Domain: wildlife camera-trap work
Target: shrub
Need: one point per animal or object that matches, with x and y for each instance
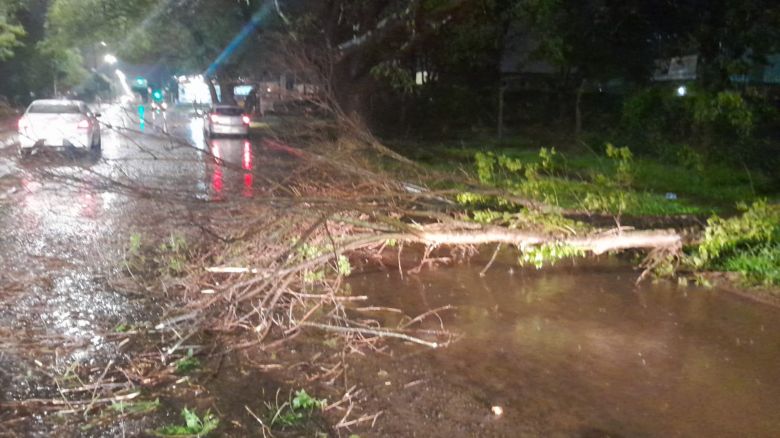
(748, 244)
(759, 225)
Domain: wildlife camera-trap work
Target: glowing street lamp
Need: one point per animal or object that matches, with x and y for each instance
(682, 90)
(110, 59)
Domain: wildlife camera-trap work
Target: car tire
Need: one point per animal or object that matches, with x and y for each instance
(97, 144)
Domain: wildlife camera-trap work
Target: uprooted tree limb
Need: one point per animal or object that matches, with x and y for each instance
(337, 210)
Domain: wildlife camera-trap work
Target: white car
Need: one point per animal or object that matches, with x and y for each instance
(58, 124)
(226, 120)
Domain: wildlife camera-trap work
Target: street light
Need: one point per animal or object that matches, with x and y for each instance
(110, 59)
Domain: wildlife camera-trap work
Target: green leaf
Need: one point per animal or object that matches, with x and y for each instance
(187, 365)
(191, 419)
(140, 407)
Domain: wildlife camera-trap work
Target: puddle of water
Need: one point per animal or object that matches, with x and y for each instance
(580, 350)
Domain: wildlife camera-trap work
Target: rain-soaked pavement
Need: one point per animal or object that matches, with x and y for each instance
(570, 351)
(66, 224)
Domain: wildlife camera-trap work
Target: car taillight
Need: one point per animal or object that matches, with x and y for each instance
(84, 124)
(213, 118)
(246, 119)
(23, 124)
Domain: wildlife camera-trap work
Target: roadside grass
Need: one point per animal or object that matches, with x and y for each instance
(295, 412)
(702, 188)
(194, 425)
(578, 194)
(188, 364)
(744, 240)
(168, 257)
(758, 266)
(139, 407)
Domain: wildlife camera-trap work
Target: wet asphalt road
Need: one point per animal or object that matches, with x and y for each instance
(66, 223)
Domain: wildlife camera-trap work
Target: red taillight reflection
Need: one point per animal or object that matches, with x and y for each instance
(84, 124)
(216, 178)
(248, 183)
(246, 119)
(247, 161)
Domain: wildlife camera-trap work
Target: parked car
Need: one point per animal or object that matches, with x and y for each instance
(58, 124)
(226, 120)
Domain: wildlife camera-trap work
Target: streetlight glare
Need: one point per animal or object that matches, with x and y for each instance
(110, 59)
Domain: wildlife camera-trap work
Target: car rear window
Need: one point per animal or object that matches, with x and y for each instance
(228, 111)
(47, 108)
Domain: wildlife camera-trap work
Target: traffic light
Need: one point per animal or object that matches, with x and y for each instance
(157, 95)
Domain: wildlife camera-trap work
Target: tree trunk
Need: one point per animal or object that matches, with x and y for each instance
(578, 110)
(597, 244)
(226, 89)
(500, 129)
(212, 91)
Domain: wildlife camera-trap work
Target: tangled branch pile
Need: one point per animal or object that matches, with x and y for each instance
(280, 267)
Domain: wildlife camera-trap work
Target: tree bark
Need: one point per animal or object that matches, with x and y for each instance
(500, 129)
(597, 244)
(226, 90)
(578, 110)
(212, 91)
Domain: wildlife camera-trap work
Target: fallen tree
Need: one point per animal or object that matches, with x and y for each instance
(296, 239)
(598, 243)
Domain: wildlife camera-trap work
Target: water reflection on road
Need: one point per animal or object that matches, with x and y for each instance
(572, 350)
(66, 233)
(232, 167)
(68, 226)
